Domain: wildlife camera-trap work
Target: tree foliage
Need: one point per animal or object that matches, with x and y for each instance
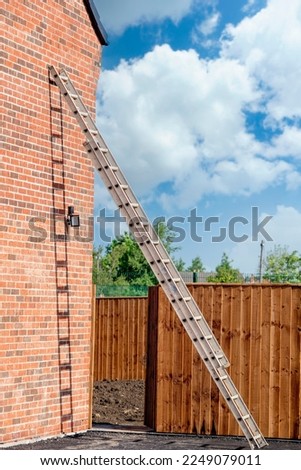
(122, 263)
(224, 272)
(196, 265)
(281, 266)
(179, 264)
(166, 236)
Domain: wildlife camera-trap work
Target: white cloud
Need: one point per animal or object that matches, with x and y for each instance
(252, 5)
(209, 25)
(117, 15)
(286, 225)
(172, 117)
(267, 44)
(284, 228)
(102, 197)
(287, 144)
(200, 34)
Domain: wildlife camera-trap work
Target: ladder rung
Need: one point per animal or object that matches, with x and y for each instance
(64, 78)
(245, 417)
(135, 205)
(219, 355)
(224, 377)
(114, 168)
(93, 132)
(124, 186)
(234, 397)
(165, 260)
(199, 317)
(84, 114)
(187, 299)
(176, 279)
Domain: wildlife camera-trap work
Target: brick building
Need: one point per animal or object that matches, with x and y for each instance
(46, 265)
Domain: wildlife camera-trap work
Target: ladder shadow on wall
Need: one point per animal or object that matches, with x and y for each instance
(59, 237)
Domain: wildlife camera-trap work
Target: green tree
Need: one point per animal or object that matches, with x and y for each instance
(196, 265)
(126, 263)
(224, 272)
(100, 275)
(179, 264)
(166, 235)
(122, 263)
(281, 266)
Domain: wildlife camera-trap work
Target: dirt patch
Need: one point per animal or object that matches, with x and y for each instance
(118, 402)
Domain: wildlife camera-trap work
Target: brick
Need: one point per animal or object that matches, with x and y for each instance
(42, 175)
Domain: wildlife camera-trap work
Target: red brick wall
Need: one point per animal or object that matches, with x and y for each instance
(45, 281)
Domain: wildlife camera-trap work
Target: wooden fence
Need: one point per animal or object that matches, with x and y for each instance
(258, 327)
(120, 338)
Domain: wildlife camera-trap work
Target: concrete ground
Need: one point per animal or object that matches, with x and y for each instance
(135, 438)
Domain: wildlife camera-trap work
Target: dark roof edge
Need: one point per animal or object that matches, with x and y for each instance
(96, 23)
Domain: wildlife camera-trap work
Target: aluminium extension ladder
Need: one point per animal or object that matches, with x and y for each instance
(162, 265)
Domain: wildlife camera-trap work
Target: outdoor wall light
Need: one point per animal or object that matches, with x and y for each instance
(72, 219)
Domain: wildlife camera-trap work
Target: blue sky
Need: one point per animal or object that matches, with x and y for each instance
(200, 103)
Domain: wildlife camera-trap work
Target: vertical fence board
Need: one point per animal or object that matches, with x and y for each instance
(235, 328)
(275, 358)
(226, 334)
(177, 374)
(265, 409)
(151, 380)
(255, 353)
(165, 352)
(284, 366)
(187, 385)
(295, 384)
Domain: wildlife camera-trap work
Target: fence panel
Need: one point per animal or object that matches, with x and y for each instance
(258, 327)
(120, 338)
